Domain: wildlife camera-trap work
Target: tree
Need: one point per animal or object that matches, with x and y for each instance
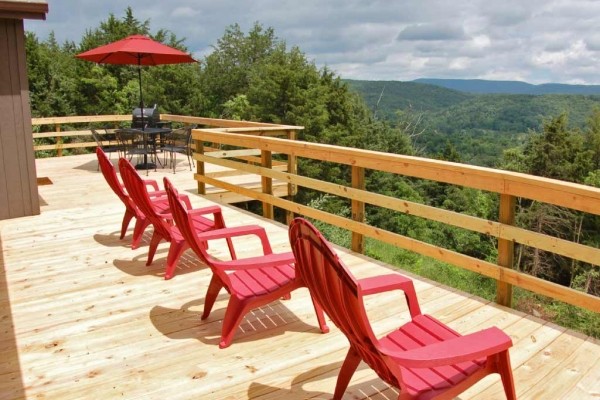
(561, 153)
(227, 69)
(52, 76)
(592, 134)
(557, 152)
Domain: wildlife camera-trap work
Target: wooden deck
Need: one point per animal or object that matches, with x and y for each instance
(82, 317)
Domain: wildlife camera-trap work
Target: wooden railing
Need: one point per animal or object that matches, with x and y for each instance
(58, 123)
(271, 151)
(58, 134)
(509, 185)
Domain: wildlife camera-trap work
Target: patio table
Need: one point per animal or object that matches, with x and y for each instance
(145, 134)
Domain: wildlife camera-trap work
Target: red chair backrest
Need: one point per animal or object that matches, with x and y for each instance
(183, 222)
(136, 188)
(110, 175)
(338, 292)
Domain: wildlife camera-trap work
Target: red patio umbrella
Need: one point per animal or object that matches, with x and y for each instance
(136, 50)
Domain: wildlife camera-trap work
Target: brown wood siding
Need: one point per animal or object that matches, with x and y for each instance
(18, 187)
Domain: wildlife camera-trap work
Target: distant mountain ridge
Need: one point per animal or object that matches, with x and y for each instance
(482, 86)
(479, 125)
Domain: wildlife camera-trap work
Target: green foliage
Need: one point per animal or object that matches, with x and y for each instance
(387, 97)
(53, 77)
(449, 275)
(234, 57)
(480, 127)
(557, 152)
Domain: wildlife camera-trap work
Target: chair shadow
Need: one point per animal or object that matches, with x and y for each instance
(297, 390)
(371, 389)
(112, 239)
(136, 266)
(261, 323)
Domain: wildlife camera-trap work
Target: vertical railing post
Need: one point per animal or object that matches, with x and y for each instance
(199, 148)
(506, 250)
(292, 168)
(266, 159)
(59, 142)
(358, 209)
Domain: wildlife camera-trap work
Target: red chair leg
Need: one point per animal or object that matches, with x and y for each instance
(505, 372)
(138, 232)
(320, 316)
(214, 288)
(125, 224)
(153, 246)
(348, 368)
(175, 251)
(236, 309)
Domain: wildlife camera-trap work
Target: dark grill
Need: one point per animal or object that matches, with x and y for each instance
(151, 117)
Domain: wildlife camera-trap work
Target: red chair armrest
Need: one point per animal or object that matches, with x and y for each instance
(158, 193)
(268, 260)
(186, 200)
(205, 210)
(386, 283)
(453, 351)
(152, 183)
(228, 233)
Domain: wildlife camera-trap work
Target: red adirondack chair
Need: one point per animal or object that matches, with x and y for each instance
(251, 282)
(161, 219)
(158, 198)
(424, 358)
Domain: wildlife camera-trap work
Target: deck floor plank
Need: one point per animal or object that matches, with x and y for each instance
(82, 316)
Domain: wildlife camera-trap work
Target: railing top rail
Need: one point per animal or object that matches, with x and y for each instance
(79, 119)
(224, 123)
(567, 194)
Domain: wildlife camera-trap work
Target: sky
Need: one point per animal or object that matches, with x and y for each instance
(535, 41)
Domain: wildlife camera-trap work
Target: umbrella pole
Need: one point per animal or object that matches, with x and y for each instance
(140, 80)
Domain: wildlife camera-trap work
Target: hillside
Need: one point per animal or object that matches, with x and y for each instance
(480, 126)
(396, 95)
(510, 87)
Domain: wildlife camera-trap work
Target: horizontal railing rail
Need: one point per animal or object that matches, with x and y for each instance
(58, 134)
(509, 186)
(76, 123)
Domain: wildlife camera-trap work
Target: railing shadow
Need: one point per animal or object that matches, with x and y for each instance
(90, 166)
(11, 383)
(261, 323)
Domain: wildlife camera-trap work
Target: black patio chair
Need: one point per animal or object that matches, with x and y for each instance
(107, 143)
(179, 141)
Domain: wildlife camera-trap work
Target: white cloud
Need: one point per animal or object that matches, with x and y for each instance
(536, 40)
(184, 12)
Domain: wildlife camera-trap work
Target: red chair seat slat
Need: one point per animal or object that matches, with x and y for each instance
(424, 330)
(260, 282)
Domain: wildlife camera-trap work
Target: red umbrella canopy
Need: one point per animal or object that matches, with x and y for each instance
(136, 50)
